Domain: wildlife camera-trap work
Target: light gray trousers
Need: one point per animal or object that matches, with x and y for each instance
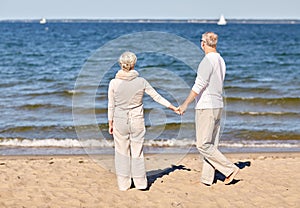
(207, 135)
(129, 158)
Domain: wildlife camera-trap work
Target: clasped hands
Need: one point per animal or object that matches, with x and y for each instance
(179, 110)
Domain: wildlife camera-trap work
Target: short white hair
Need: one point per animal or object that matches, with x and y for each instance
(127, 60)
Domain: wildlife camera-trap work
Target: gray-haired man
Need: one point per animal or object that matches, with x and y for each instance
(207, 91)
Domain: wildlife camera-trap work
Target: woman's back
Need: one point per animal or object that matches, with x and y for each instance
(128, 94)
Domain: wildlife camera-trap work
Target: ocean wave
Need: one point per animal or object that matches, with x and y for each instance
(67, 143)
(172, 126)
(286, 54)
(108, 143)
(53, 128)
(41, 105)
(262, 135)
(63, 108)
(262, 144)
(168, 130)
(66, 93)
(268, 101)
(266, 113)
(247, 89)
(61, 130)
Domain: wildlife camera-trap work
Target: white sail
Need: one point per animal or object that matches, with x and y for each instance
(43, 21)
(222, 20)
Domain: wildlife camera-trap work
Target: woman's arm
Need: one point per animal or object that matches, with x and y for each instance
(111, 107)
(110, 127)
(158, 98)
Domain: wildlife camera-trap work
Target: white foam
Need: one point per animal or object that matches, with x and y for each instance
(262, 144)
(103, 143)
(68, 143)
(169, 143)
(262, 113)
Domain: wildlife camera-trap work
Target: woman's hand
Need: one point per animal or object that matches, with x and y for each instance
(175, 109)
(110, 127)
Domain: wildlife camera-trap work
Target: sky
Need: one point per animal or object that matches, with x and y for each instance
(150, 9)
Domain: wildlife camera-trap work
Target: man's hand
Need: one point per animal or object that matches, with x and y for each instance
(182, 108)
(175, 109)
(110, 127)
(189, 99)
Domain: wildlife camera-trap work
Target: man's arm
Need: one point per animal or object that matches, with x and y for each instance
(188, 100)
(202, 79)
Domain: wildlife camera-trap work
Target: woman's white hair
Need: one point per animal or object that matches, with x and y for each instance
(127, 61)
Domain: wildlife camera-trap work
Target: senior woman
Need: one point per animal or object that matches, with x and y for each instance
(126, 121)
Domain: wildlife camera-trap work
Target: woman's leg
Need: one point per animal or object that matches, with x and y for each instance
(122, 153)
(138, 170)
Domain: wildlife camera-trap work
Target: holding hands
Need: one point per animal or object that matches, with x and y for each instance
(175, 109)
(182, 108)
(179, 110)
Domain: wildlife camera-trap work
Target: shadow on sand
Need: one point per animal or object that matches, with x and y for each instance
(241, 165)
(153, 175)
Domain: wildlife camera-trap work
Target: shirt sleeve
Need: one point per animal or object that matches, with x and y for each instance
(155, 96)
(111, 101)
(204, 72)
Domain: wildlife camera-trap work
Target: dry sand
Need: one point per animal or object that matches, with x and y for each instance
(265, 180)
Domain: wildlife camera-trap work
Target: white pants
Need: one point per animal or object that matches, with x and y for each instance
(207, 134)
(129, 158)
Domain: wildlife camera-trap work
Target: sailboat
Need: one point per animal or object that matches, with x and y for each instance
(222, 20)
(43, 21)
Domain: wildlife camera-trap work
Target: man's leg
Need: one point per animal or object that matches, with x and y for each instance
(208, 173)
(203, 130)
(207, 131)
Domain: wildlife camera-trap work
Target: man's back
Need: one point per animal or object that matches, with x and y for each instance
(209, 82)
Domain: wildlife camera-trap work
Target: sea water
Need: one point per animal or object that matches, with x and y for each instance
(39, 66)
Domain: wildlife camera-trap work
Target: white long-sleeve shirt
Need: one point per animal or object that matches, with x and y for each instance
(125, 95)
(209, 82)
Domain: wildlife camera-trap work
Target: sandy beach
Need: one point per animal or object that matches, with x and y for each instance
(265, 180)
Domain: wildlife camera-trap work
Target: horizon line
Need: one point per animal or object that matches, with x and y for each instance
(131, 18)
(149, 20)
